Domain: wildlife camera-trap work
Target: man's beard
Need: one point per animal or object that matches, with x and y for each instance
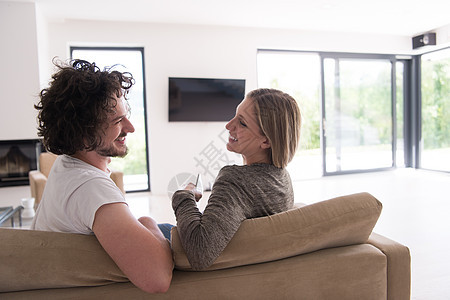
(111, 151)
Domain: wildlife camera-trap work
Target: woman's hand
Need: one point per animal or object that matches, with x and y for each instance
(197, 193)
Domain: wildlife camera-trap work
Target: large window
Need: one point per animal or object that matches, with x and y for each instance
(435, 133)
(358, 114)
(347, 104)
(135, 165)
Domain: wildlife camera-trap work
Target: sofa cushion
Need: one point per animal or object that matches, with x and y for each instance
(341, 221)
(32, 259)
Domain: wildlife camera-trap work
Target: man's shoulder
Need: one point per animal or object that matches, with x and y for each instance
(69, 165)
(67, 177)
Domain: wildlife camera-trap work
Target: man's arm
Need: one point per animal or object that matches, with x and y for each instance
(141, 252)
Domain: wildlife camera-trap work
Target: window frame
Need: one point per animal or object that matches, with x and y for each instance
(144, 99)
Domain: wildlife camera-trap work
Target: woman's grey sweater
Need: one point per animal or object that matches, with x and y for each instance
(239, 193)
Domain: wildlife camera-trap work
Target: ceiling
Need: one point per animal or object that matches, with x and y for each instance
(396, 17)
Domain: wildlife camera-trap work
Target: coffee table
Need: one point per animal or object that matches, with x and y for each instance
(8, 212)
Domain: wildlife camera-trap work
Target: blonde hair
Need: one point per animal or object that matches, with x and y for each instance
(279, 118)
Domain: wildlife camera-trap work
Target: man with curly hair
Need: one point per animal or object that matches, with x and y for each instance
(83, 118)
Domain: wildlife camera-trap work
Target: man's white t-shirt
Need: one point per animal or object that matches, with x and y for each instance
(74, 191)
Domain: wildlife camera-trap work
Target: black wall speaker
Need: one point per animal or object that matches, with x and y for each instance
(424, 40)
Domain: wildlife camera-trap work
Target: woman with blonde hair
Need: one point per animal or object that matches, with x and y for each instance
(266, 132)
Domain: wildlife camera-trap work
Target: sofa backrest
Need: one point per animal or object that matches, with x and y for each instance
(341, 221)
(31, 259)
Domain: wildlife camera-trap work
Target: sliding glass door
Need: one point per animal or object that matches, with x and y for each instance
(347, 104)
(435, 111)
(358, 114)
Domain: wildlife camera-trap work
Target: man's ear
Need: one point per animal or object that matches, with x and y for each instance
(265, 144)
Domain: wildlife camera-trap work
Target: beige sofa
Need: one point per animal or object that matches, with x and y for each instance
(321, 251)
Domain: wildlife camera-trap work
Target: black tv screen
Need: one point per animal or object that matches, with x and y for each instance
(204, 99)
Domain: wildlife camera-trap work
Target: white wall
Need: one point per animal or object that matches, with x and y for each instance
(19, 76)
(171, 50)
(443, 36)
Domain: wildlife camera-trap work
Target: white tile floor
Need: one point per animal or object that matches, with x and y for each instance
(416, 213)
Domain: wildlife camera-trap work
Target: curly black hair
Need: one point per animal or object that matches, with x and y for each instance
(74, 109)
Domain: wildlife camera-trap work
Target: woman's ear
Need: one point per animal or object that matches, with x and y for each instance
(265, 144)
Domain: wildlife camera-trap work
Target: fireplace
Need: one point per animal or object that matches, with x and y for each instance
(17, 158)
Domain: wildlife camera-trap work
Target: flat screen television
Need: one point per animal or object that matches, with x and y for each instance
(204, 99)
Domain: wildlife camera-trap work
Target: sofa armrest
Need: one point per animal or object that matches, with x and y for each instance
(398, 266)
(37, 185)
(117, 177)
